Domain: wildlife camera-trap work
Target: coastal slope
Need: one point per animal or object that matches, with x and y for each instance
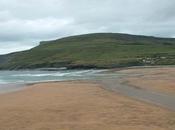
(100, 50)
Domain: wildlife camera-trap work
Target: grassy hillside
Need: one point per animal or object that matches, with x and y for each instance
(102, 50)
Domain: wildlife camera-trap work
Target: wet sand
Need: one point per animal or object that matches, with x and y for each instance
(79, 106)
(160, 79)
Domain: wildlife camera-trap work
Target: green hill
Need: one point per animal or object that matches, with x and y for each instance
(101, 50)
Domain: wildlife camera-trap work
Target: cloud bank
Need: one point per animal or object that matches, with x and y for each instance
(24, 23)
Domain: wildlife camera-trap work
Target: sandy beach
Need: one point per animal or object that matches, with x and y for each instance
(156, 79)
(78, 106)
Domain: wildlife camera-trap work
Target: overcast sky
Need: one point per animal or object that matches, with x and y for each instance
(23, 23)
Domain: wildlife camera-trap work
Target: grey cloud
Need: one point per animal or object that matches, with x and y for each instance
(8, 47)
(24, 23)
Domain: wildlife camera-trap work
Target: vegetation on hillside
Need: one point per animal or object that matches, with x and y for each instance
(101, 50)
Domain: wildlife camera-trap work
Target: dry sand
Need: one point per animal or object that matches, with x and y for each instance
(156, 79)
(78, 106)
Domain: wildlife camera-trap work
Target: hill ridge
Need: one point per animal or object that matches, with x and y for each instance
(96, 50)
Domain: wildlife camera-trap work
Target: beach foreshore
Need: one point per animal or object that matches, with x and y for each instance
(161, 79)
(78, 105)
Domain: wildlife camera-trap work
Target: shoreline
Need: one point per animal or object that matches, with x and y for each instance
(95, 68)
(123, 84)
(11, 87)
(25, 86)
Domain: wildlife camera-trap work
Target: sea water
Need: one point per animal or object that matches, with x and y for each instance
(14, 80)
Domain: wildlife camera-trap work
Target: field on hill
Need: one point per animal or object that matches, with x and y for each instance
(103, 50)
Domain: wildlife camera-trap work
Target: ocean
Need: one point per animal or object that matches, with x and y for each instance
(15, 80)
